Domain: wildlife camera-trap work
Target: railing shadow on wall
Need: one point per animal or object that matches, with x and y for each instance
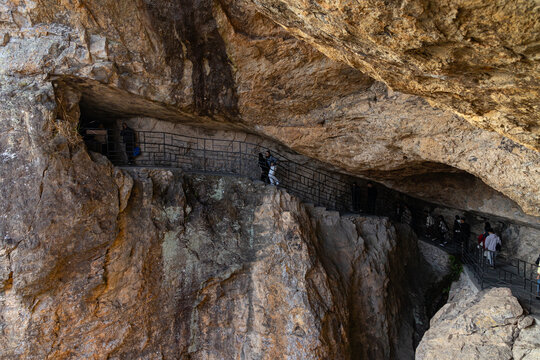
(224, 157)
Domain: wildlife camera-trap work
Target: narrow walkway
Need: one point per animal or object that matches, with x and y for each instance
(224, 157)
(515, 274)
(311, 185)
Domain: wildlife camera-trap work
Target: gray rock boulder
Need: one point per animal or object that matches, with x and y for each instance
(488, 324)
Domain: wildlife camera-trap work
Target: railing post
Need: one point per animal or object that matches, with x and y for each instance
(240, 161)
(482, 264)
(319, 189)
(204, 154)
(163, 146)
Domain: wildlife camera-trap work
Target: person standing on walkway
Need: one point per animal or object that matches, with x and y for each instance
(430, 227)
(406, 215)
(371, 198)
(264, 168)
(272, 174)
(444, 232)
(491, 246)
(269, 159)
(128, 138)
(465, 233)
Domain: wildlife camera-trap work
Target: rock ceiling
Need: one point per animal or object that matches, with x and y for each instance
(476, 58)
(390, 90)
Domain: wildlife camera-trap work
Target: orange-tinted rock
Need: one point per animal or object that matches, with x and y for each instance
(478, 59)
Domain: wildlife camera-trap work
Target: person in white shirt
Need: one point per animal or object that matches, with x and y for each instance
(491, 245)
(272, 174)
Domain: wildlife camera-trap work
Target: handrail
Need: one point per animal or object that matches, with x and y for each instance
(238, 141)
(508, 271)
(238, 157)
(224, 156)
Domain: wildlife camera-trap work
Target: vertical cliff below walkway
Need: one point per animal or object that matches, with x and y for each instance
(158, 264)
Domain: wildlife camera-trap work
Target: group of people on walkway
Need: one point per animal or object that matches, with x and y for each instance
(489, 244)
(438, 230)
(268, 165)
(488, 241)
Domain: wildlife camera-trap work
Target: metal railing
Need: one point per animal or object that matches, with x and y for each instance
(518, 275)
(224, 157)
(322, 188)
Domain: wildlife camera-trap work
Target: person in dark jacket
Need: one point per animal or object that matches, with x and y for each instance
(371, 198)
(465, 233)
(128, 138)
(444, 233)
(264, 168)
(431, 228)
(270, 159)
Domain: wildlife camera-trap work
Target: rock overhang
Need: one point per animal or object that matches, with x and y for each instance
(285, 90)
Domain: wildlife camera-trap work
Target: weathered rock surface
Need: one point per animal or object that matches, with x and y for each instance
(465, 192)
(95, 262)
(201, 267)
(438, 259)
(478, 59)
(522, 242)
(224, 65)
(480, 325)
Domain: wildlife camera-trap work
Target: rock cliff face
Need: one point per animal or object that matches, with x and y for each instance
(480, 60)
(225, 65)
(154, 264)
(96, 262)
(480, 325)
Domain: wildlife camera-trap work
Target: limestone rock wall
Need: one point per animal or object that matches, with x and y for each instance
(481, 325)
(202, 269)
(199, 270)
(478, 59)
(152, 264)
(364, 254)
(98, 263)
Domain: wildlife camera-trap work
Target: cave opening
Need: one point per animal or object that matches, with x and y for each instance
(100, 130)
